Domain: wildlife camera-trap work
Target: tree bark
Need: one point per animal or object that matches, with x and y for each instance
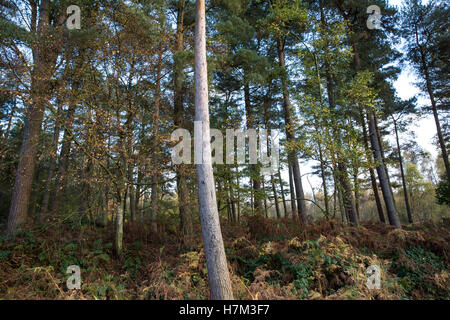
(272, 180)
(347, 198)
(239, 194)
(118, 241)
(155, 157)
(383, 158)
(372, 174)
(231, 196)
(381, 170)
(324, 181)
(182, 187)
(356, 184)
(254, 168)
(292, 192)
(133, 214)
(434, 108)
(265, 196)
(288, 117)
(216, 262)
(44, 59)
(400, 161)
(283, 196)
(387, 195)
(51, 166)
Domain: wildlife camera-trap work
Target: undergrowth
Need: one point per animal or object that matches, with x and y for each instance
(267, 260)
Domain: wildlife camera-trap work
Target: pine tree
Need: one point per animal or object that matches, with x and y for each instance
(218, 276)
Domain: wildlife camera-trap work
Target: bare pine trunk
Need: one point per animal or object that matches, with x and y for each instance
(356, 184)
(383, 158)
(216, 262)
(400, 160)
(283, 196)
(288, 115)
(239, 194)
(435, 113)
(385, 189)
(182, 187)
(155, 157)
(292, 192)
(118, 241)
(51, 167)
(372, 174)
(324, 180)
(40, 89)
(254, 168)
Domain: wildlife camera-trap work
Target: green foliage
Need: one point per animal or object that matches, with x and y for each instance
(421, 270)
(109, 287)
(443, 191)
(4, 254)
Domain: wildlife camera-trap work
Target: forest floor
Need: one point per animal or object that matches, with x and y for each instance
(268, 259)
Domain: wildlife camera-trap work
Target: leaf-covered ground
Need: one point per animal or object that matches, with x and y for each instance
(268, 259)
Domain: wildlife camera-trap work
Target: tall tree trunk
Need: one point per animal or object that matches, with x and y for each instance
(51, 166)
(356, 184)
(324, 181)
(283, 196)
(402, 173)
(434, 108)
(381, 170)
(334, 202)
(265, 196)
(347, 198)
(44, 59)
(121, 195)
(383, 158)
(239, 194)
(182, 187)
(292, 192)
(269, 152)
(118, 240)
(338, 186)
(231, 195)
(155, 157)
(372, 174)
(387, 195)
(322, 171)
(275, 196)
(341, 168)
(63, 165)
(289, 122)
(220, 199)
(216, 262)
(339, 192)
(131, 192)
(106, 208)
(252, 196)
(319, 144)
(254, 168)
